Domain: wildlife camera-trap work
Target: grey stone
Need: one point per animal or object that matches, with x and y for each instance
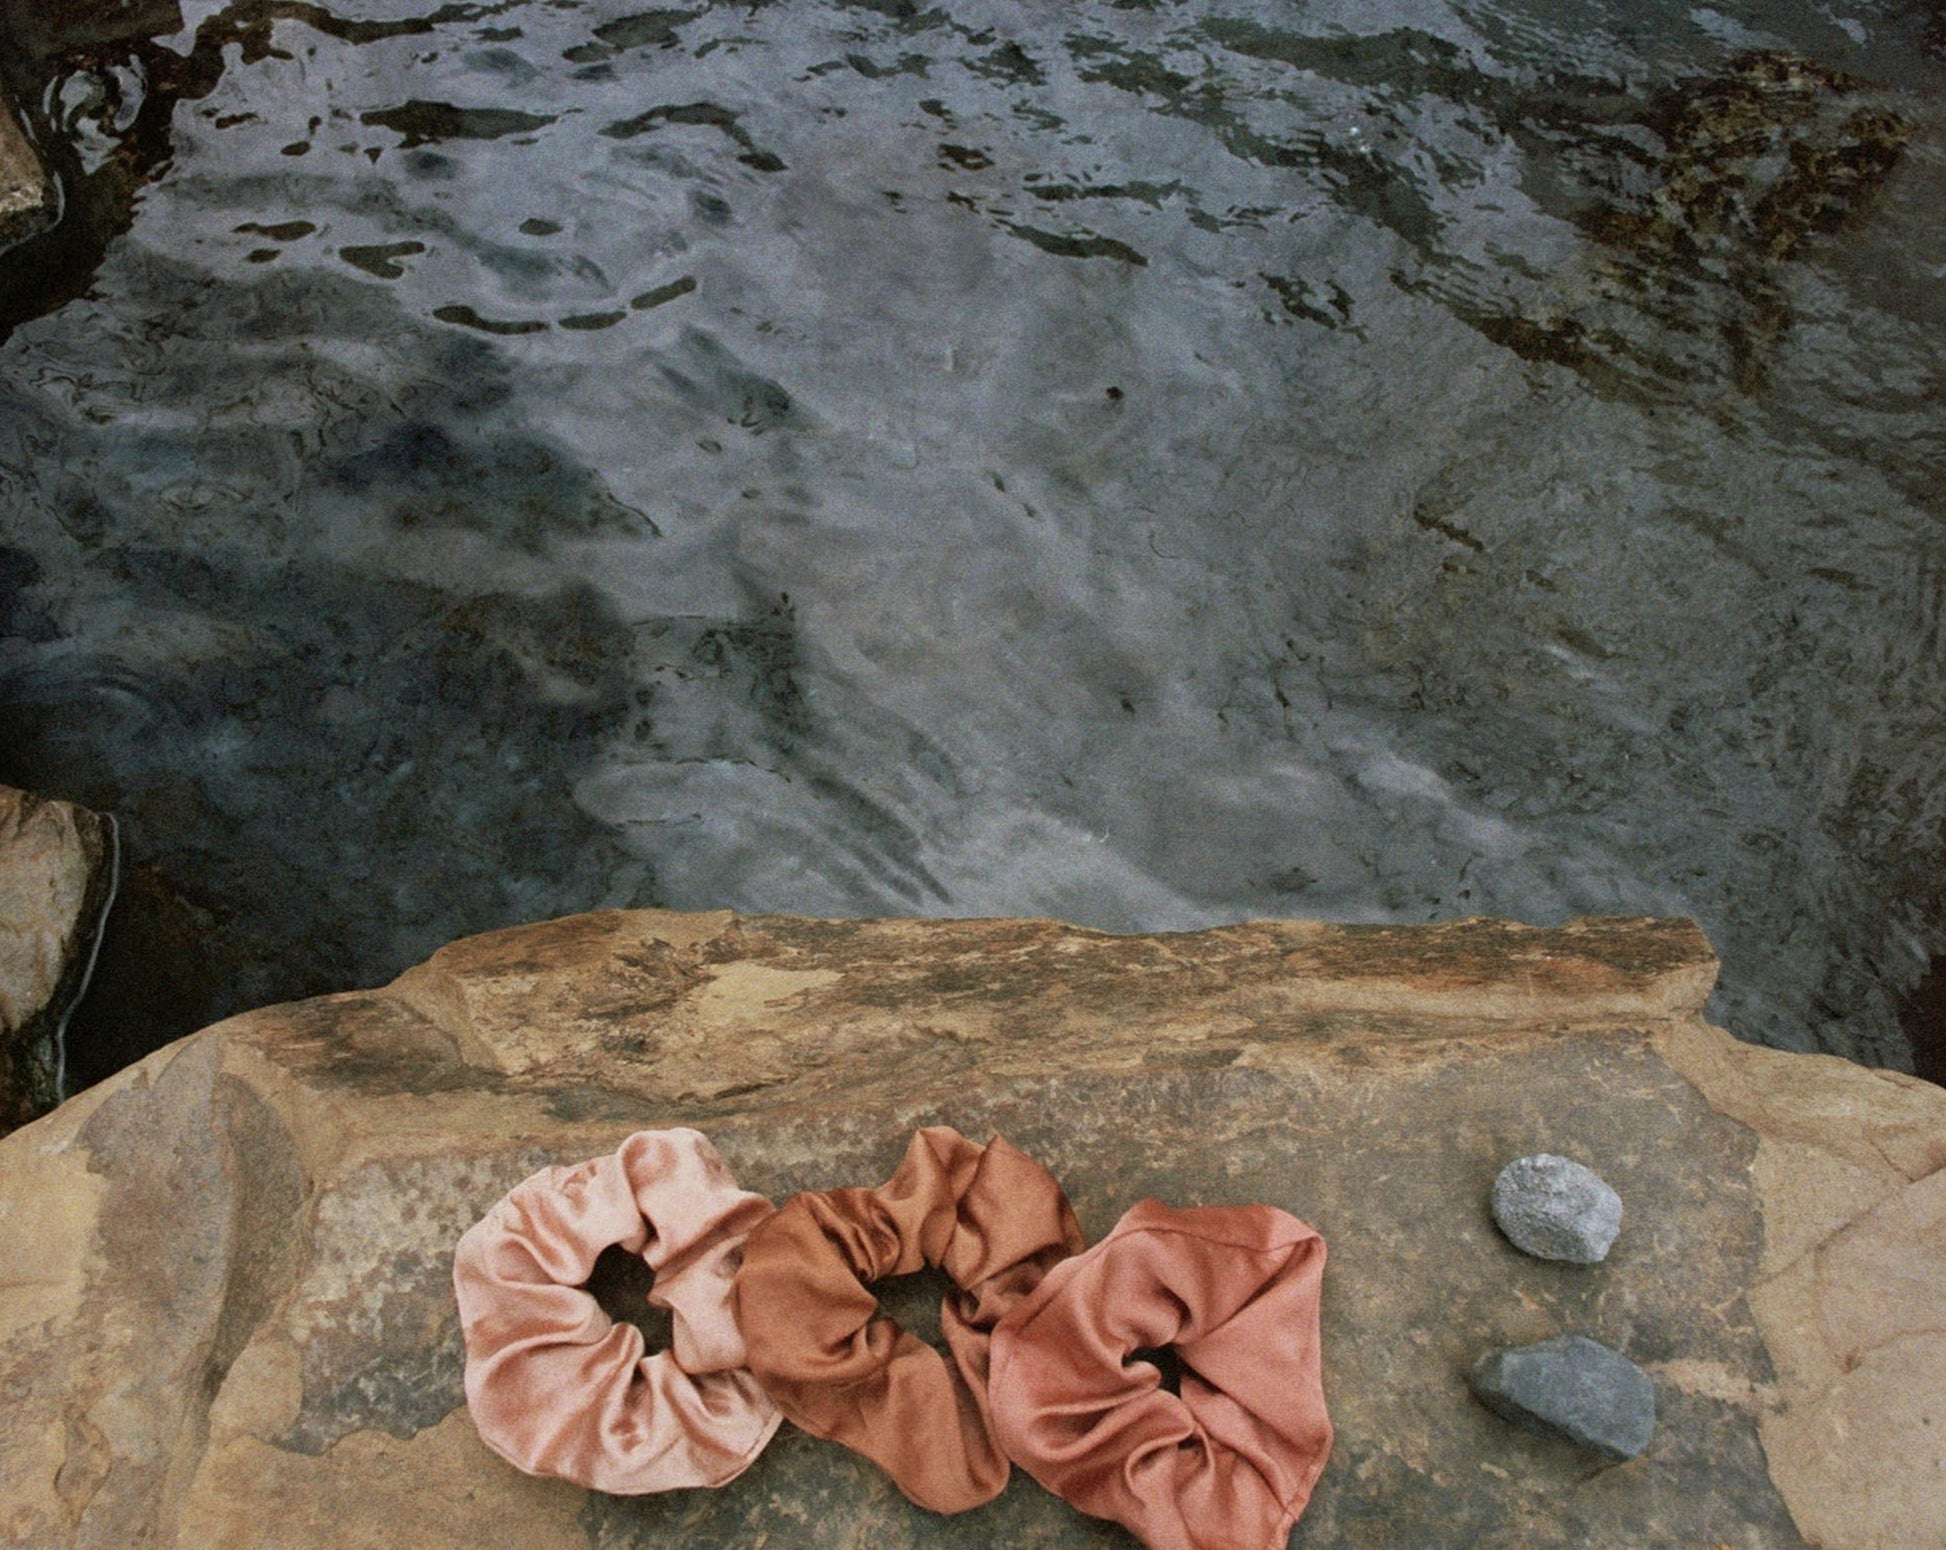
(1572, 1387)
(54, 886)
(1556, 1209)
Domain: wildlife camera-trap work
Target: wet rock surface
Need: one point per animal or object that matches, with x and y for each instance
(1572, 1387)
(1554, 1208)
(53, 886)
(239, 1306)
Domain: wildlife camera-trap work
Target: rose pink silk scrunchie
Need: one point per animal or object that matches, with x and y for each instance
(1231, 1463)
(557, 1388)
(989, 1216)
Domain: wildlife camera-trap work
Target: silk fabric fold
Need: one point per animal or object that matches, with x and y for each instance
(1228, 1465)
(557, 1388)
(992, 1219)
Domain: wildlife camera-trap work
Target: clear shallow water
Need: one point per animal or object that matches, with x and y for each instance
(1151, 464)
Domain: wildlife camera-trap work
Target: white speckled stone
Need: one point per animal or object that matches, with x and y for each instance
(1556, 1209)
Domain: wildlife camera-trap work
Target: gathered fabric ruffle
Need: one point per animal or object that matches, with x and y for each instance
(554, 1385)
(992, 1219)
(773, 1315)
(1230, 1463)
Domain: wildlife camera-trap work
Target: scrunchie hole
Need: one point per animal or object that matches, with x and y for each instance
(913, 1302)
(620, 1287)
(1166, 1360)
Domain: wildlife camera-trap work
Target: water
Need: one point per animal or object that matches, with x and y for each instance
(1152, 464)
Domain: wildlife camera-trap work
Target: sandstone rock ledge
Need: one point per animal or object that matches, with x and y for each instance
(226, 1320)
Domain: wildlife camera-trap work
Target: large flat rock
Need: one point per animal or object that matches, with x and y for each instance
(226, 1316)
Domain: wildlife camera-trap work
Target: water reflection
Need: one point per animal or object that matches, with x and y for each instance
(1152, 464)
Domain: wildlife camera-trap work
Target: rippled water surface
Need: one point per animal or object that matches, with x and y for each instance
(1148, 463)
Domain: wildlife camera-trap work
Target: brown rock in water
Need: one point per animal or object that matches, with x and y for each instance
(226, 1316)
(28, 202)
(52, 885)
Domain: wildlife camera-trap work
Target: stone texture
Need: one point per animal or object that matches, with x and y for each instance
(1572, 1387)
(1554, 1208)
(52, 886)
(226, 1315)
(28, 202)
(1851, 1300)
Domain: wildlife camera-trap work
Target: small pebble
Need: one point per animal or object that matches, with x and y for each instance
(1556, 1209)
(1571, 1387)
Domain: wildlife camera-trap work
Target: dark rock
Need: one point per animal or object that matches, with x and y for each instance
(1573, 1387)
(1556, 1209)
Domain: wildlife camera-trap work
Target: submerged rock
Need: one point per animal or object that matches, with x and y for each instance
(53, 879)
(1572, 1387)
(28, 202)
(1553, 1208)
(225, 1273)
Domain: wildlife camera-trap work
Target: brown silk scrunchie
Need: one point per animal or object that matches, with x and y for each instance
(1231, 1463)
(989, 1216)
(557, 1388)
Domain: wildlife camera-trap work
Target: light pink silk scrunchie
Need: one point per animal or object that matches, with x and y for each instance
(556, 1387)
(1231, 1463)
